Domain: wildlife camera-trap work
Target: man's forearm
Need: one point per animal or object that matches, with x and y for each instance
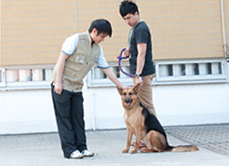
(140, 63)
(141, 57)
(110, 74)
(60, 67)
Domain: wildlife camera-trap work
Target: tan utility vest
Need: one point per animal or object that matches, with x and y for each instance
(78, 64)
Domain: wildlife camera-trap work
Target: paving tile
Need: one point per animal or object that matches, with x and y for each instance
(44, 149)
(213, 137)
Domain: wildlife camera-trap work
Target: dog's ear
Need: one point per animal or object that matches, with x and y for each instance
(137, 88)
(119, 90)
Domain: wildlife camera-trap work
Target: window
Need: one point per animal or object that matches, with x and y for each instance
(167, 72)
(170, 72)
(27, 75)
(191, 71)
(2, 77)
(25, 78)
(96, 77)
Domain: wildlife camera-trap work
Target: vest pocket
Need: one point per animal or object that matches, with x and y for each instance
(80, 59)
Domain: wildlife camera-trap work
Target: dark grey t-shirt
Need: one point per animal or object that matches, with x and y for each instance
(141, 34)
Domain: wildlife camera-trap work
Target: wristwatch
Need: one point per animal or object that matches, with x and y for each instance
(137, 75)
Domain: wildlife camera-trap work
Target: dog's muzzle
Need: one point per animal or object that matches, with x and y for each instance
(128, 101)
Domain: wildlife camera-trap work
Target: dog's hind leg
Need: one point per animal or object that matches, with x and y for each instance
(157, 142)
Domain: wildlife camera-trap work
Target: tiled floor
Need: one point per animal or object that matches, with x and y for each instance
(212, 137)
(44, 149)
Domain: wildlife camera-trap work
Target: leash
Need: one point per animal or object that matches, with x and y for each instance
(119, 63)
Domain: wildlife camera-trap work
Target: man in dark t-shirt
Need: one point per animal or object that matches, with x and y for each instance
(140, 52)
(141, 34)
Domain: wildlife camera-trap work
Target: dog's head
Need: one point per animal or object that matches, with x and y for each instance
(129, 96)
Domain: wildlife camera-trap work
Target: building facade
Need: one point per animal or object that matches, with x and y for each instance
(190, 41)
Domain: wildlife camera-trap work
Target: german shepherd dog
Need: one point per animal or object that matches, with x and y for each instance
(145, 126)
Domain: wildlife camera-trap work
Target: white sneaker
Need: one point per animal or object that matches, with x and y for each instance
(76, 155)
(87, 153)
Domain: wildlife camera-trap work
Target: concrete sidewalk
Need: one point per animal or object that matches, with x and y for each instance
(44, 149)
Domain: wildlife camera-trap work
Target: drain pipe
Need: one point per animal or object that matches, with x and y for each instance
(224, 31)
(93, 113)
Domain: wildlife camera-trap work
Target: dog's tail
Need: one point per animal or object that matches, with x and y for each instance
(182, 148)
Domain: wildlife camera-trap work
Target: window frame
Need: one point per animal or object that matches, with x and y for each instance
(2, 75)
(24, 85)
(169, 80)
(92, 82)
(192, 79)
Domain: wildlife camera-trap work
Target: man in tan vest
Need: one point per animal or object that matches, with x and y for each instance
(79, 53)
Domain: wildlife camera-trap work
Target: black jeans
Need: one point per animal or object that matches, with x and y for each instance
(69, 113)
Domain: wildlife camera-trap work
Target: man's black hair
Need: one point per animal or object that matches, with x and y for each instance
(128, 7)
(102, 26)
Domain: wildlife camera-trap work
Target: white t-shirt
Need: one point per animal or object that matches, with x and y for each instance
(70, 45)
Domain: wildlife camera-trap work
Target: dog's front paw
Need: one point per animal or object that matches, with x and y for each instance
(125, 150)
(133, 151)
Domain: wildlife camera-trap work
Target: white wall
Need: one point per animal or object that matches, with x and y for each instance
(26, 111)
(196, 104)
(32, 111)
